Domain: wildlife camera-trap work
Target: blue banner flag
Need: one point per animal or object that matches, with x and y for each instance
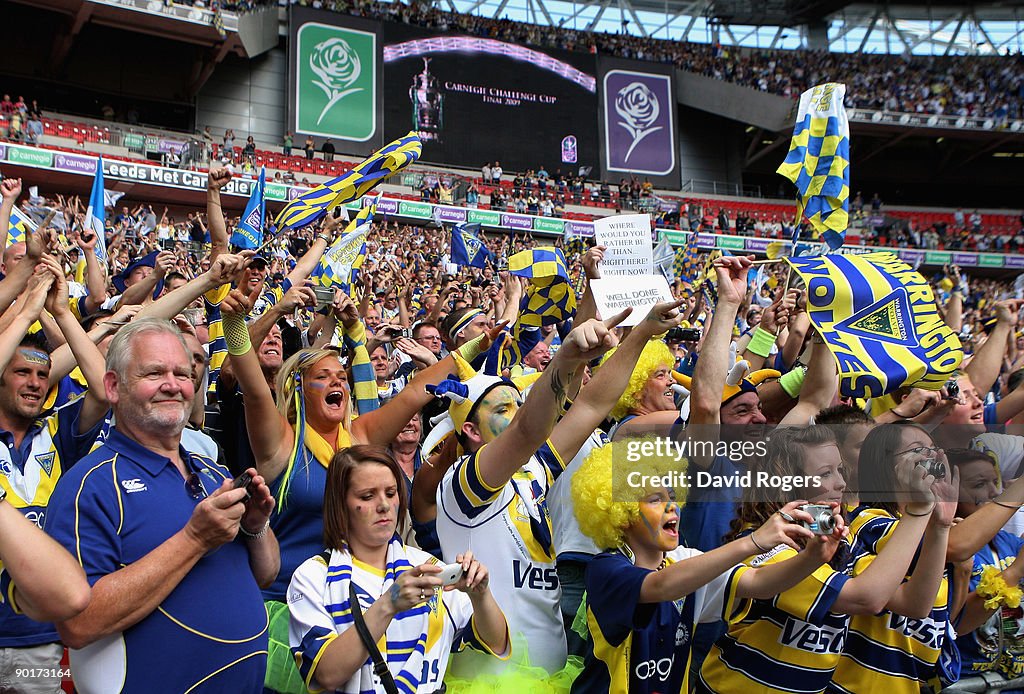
(95, 214)
(248, 232)
(467, 248)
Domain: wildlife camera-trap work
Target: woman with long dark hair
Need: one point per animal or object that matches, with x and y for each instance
(897, 649)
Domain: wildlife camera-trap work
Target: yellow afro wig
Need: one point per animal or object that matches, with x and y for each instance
(655, 355)
(604, 501)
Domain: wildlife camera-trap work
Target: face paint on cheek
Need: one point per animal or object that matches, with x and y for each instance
(496, 424)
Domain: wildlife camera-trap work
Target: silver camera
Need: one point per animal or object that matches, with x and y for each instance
(824, 521)
(324, 296)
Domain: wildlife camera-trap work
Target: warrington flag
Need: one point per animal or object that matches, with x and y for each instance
(549, 296)
(315, 203)
(249, 231)
(341, 262)
(18, 226)
(467, 248)
(95, 215)
(879, 319)
(818, 162)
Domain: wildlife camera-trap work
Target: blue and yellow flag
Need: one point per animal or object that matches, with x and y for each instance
(467, 248)
(879, 319)
(686, 265)
(818, 162)
(18, 225)
(315, 203)
(549, 297)
(339, 265)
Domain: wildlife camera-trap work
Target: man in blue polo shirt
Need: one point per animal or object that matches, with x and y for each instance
(176, 602)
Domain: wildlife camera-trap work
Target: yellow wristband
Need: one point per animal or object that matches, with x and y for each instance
(236, 334)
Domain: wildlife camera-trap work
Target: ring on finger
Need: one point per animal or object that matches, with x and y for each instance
(786, 517)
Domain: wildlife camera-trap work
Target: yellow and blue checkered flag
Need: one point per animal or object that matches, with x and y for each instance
(339, 265)
(686, 264)
(818, 162)
(878, 317)
(549, 296)
(315, 203)
(18, 225)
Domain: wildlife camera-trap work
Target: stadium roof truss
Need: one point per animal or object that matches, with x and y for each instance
(933, 28)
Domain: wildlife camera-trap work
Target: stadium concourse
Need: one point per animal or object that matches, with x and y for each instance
(483, 359)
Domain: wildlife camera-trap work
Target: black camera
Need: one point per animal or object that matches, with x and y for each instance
(934, 467)
(683, 335)
(952, 390)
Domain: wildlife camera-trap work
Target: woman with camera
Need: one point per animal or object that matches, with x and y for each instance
(793, 641)
(909, 642)
(294, 438)
(416, 608)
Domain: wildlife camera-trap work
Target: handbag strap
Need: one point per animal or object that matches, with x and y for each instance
(380, 667)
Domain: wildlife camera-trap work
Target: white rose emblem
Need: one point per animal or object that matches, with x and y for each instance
(338, 67)
(638, 106)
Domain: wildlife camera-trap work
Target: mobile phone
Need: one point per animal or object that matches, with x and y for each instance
(450, 574)
(243, 480)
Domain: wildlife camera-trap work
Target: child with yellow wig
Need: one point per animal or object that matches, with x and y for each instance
(645, 593)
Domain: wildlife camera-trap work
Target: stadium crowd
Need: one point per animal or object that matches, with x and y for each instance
(246, 482)
(960, 86)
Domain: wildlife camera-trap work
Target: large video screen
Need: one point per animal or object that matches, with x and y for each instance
(475, 100)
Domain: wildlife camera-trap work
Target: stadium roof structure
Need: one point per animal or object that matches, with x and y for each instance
(936, 27)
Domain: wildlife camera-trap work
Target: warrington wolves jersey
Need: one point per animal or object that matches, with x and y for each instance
(508, 529)
(28, 473)
(790, 643)
(888, 652)
(644, 648)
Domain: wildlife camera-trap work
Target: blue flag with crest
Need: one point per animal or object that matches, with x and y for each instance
(248, 232)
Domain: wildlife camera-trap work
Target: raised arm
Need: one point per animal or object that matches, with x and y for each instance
(916, 596)
(88, 356)
(221, 271)
(308, 262)
(819, 387)
(95, 274)
(141, 291)
(870, 591)
(983, 368)
(10, 189)
(592, 271)
(217, 179)
(599, 396)
(270, 434)
(713, 365)
(28, 312)
(532, 424)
